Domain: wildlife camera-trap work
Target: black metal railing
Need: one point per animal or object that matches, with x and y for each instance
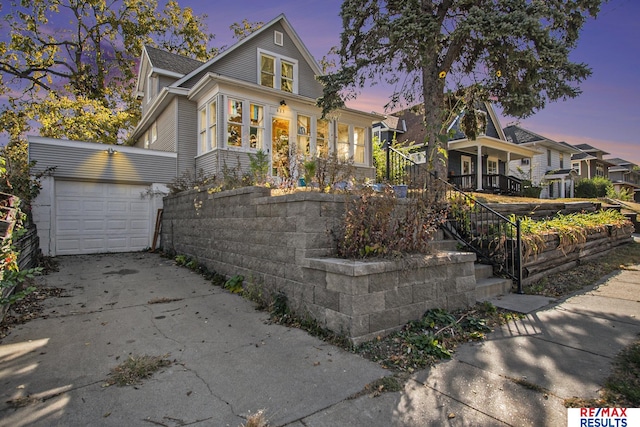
(495, 238)
(496, 183)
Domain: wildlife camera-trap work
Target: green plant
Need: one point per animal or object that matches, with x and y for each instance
(310, 167)
(234, 284)
(259, 166)
(592, 188)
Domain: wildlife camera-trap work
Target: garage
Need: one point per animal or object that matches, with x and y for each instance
(94, 217)
(97, 198)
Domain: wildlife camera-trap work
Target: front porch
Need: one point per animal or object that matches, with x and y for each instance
(482, 165)
(489, 183)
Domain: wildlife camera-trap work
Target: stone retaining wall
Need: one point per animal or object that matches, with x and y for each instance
(283, 242)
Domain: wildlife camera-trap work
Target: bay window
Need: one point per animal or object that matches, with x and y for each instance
(322, 138)
(358, 141)
(234, 123)
(343, 141)
(304, 132)
(256, 126)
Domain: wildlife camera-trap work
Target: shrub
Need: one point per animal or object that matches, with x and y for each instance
(593, 188)
(376, 225)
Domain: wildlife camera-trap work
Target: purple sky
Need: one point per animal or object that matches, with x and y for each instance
(605, 115)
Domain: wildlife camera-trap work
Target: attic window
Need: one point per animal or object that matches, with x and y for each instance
(278, 38)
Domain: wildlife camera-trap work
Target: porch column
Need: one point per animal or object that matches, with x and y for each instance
(562, 189)
(572, 183)
(507, 169)
(479, 168)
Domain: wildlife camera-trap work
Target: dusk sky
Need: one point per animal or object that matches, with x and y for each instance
(606, 115)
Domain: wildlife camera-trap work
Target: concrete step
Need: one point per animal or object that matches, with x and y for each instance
(483, 271)
(492, 287)
(444, 245)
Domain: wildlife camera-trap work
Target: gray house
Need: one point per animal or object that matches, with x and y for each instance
(550, 169)
(260, 94)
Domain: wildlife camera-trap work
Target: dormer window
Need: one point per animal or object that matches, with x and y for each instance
(278, 72)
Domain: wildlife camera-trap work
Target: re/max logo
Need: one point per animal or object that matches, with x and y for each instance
(603, 412)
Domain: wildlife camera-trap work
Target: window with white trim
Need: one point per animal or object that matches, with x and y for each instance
(358, 141)
(303, 135)
(278, 38)
(146, 139)
(286, 76)
(561, 161)
(213, 125)
(322, 137)
(234, 123)
(576, 167)
(278, 72)
(202, 131)
(256, 126)
(154, 132)
(208, 127)
(492, 166)
(342, 144)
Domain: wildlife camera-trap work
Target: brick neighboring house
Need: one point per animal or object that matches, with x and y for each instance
(260, 94)
(551, 169)
(625, 175)
(589, 163)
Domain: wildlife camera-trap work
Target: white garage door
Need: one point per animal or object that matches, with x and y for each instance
(100, 217)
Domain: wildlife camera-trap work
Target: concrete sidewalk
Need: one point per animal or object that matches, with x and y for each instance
(230, 363)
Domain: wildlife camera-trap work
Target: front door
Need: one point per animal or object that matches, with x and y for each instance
(280, 147)
(466, 172)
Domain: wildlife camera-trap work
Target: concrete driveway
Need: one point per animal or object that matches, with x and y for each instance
(228, 362)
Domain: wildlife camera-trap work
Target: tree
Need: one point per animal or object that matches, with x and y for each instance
(245, 28)
(451, 54)
(77, 81)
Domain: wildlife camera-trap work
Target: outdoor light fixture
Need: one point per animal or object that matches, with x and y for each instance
(283, 103)
(111, 151)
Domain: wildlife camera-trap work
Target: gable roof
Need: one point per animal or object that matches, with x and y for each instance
(521, 136)
(588, 148)
(416, 132)
(172, 62)
(286, 25)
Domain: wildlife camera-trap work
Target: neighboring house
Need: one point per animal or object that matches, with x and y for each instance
(551, 169)
(625, 176)
(474, 165)
(390, 129)
(589, 162)
(260, 94)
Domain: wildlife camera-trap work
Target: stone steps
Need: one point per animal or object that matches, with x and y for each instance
(488, 286)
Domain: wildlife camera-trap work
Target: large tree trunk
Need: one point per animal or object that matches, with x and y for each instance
(433, 95)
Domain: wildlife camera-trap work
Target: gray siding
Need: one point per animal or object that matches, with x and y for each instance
(187, 134)
(208, 163)
(91, 162)
(242, 64)
(231, 159)
(166, 130)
